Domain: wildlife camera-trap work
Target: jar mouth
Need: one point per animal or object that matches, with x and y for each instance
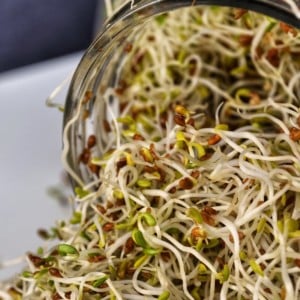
(180, 139)
(277, 9)
(93, 67)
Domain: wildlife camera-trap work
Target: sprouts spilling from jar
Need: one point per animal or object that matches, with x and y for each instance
(193, 167)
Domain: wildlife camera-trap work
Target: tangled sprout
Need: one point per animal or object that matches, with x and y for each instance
(193, 168)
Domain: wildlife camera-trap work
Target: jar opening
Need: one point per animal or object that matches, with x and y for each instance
(181, 131)
(105, 68)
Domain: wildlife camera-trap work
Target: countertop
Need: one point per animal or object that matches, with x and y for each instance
(30, 154)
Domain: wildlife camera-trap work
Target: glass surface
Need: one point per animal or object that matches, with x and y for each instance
(96, 69)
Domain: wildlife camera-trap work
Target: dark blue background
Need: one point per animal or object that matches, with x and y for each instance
(35, 30)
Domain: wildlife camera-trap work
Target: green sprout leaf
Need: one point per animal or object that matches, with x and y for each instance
(224, 274)
(76, 218)
(40, 274)
(283, 200)
(212, 243)
(164, 295)
(128, 120)
(80, 192)
(40, 251)
(261, 224)
(202, 268)
(194, 214)
(256, 267)
(118, 194)
(180, 136)
(196, 293)
(143, 183)
(288, 224)
(67, 251)
(222, 127)
(140, 261)
(27, 274)
(138, 238)
(148, 218)
(242, 93)
(161, 19)
(198, 149)
(151, 251)
(100, 281)
(243, 255)
(294, 234)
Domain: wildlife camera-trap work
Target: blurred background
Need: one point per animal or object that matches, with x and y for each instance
(41, 43)
(35, 30)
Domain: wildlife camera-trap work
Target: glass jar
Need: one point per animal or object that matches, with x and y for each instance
(97, 69)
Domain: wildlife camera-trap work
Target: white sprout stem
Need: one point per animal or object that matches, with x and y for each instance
(179, 260)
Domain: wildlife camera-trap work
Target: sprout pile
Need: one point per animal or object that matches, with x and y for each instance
(194, 170)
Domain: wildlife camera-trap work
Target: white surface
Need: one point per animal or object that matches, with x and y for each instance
(30, 148)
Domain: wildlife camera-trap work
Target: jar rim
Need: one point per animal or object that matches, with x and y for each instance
(278, 9)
